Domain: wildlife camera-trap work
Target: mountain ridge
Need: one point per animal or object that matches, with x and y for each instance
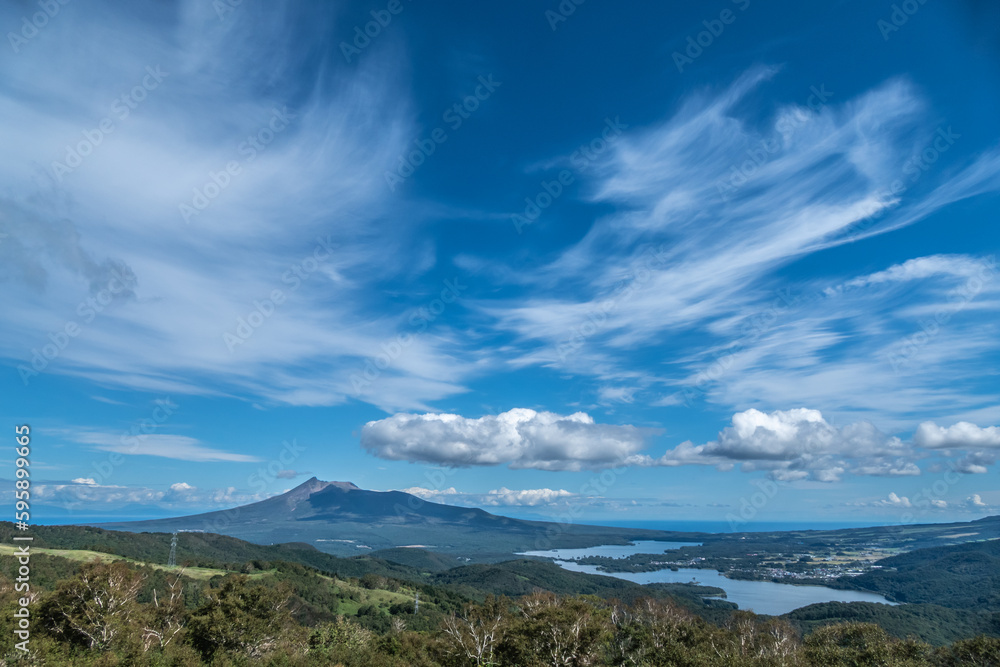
(343, 519)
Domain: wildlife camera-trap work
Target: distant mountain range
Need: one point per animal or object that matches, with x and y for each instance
(343, 519)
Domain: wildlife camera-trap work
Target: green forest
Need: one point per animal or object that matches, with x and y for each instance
(235, 603)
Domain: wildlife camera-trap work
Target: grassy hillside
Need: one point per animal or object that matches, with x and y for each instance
(85, 556)
(206, 550)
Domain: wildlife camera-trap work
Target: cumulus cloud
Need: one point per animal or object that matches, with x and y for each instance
(518, 438)
(925, 502)
(896, 501)
(789, 445)
(980, 444)
(179, 496)
(528, 497)
(74, 494)
(974, 463)
(502, 497)
(962, 435)
(795, 444)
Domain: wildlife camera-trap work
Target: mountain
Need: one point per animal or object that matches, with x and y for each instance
(341, 518)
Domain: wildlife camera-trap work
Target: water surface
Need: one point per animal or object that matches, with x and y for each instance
(612, 550)
(762, 597)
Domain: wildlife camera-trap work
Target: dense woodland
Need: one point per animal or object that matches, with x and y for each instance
(103, 599)
(116, 613)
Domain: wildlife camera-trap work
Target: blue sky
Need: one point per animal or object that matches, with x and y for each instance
(729, 261)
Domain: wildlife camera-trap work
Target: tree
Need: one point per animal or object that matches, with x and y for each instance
(656, 632)
(97, 608)
(861, 645)
(558, 632)
(979, 651)
(241, 619)
(752, 640)
(474, 635)
(167, 616)
(340, 634)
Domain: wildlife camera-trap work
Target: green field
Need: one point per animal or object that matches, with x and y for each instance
(85, 556)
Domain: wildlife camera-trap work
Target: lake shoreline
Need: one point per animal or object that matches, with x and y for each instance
(761, 596)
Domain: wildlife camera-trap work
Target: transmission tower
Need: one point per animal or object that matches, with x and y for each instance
(416, 603)
(172, 559)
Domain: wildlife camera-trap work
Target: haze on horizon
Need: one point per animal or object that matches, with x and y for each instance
(658, 263)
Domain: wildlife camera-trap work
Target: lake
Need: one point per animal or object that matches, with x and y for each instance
(762, 597)
(612, 550)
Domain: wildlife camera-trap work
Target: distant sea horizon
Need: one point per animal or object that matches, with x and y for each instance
(686, 526)
(695, 526)
(85, 519)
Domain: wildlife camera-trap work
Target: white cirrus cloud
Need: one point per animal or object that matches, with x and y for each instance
(822, 183)
(518, 438)
(306, 215)
(875, 345)
(180, 447)
(920, 268)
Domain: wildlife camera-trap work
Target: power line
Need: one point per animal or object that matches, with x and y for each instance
(172, 559)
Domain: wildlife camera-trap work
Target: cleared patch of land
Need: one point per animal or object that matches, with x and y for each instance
(85, 556)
